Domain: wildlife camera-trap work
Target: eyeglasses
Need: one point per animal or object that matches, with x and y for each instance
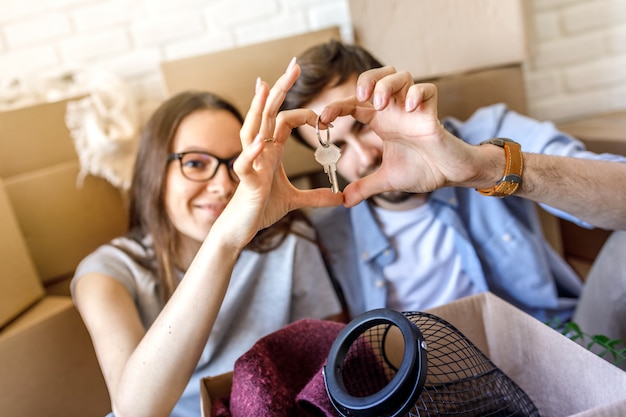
(202, 166)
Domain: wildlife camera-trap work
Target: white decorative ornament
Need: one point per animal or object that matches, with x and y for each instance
(104, 126)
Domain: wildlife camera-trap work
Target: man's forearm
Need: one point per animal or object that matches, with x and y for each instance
(593, 191)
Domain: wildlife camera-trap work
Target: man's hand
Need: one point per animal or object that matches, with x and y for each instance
(419, 155)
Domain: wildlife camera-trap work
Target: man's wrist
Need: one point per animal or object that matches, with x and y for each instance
(511, 179)
(492, 165)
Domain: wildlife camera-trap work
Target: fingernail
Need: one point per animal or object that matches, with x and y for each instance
(360, 93)
(258, 84)
(291, 64)
(378, 102)
(409, 105)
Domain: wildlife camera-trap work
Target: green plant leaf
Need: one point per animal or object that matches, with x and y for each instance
(610, 346)
(573, 331)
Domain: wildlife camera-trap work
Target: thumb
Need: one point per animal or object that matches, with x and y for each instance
(364, 188)
(317, 197)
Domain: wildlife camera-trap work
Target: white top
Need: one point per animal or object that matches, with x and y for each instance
(267, 291)
(427, 270)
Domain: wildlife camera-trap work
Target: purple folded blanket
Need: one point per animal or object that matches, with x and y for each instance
(281, 375)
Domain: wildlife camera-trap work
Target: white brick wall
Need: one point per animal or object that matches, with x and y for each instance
(39, 38)
(577, 64)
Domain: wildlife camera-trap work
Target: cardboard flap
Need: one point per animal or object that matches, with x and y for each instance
(565, 378)
(49, 366)
(62, 221)
(601, 133)
(560, 376)
(212, 388)
(34, 137)
(615, 409)
(19, 282)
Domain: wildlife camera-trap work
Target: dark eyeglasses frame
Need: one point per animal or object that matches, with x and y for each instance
(228, 162)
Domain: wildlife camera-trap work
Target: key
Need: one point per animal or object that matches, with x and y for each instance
(327, 155)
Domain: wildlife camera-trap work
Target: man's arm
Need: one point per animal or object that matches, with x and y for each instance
(593, 191)
(419, 155)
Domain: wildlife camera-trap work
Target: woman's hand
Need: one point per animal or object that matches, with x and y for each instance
(419, 155)
(265, 194)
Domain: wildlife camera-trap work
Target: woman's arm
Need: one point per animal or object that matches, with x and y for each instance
(147, 370)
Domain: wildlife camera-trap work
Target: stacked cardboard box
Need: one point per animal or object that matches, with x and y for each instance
(47, 224)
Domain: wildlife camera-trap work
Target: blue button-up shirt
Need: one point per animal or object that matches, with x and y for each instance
(500, 241)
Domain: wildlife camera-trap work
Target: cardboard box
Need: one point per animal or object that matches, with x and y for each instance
(560, 376)
(19, 284)
(601, 133)
(47, 224)
(438, 38)
(34, 137)
(461, 95)
(75, 221)
(235, 76)
(48, 363)
(61, 220)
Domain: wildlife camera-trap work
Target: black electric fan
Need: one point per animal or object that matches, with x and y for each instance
(387, 363)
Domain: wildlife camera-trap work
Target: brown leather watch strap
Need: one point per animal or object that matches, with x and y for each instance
(512, 178)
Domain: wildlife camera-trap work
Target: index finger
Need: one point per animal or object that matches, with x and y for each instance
(265, 105)
(367, 81)
(276, 96)
(350, 106)
(394, 85)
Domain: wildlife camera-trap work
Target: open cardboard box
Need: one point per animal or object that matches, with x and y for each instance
(49, 367)
(48, 223)
(560, 376)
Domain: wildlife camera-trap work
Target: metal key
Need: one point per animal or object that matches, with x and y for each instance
(327, 155)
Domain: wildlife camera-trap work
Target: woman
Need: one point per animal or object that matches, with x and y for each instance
(151, 299)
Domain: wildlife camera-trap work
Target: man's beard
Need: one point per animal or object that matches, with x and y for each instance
(394, 197)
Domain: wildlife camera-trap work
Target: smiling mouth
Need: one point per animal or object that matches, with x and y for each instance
(211, 208)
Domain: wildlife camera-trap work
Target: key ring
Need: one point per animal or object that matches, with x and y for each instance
(317, 132)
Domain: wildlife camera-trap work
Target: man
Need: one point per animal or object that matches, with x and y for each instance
(415, 250)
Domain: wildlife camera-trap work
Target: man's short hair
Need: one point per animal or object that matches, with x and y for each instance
(324, 66)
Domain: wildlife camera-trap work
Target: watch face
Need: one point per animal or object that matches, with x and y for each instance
(497, 141)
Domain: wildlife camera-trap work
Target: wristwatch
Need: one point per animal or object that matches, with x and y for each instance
(512, 178)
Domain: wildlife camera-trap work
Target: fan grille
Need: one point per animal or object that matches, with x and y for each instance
(460, 379)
